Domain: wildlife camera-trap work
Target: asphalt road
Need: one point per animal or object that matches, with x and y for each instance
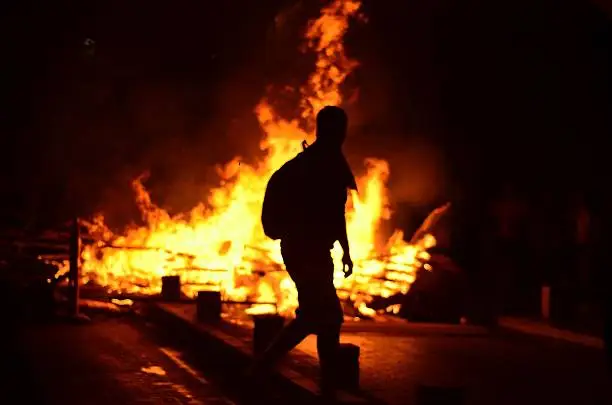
(501, 370)
(108, 361)
(118, 361)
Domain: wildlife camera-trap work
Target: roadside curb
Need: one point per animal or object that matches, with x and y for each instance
(234, 343)
(404, 328)
(542, 329)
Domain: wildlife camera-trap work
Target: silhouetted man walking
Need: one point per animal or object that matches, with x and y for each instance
(304, 207)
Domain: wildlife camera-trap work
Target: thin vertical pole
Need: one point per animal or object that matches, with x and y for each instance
(75, 251)
(545, 302)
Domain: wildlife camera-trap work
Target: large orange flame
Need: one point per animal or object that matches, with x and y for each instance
(220, 244)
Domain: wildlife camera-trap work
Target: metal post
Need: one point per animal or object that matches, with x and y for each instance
(74, 275)
(208, 306)
(266, 328)
(171, 288)
(348, 361)
(545, 302)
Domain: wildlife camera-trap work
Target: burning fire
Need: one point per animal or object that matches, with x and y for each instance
(220, 245)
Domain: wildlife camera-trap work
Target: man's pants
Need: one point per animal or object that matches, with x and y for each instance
(319, 312)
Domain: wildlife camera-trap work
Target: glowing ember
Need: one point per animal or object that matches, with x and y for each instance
(220, 244)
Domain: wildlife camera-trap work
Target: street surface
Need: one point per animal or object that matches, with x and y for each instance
(118, 360)
(108, 361)
(500, 368)
(493, 369)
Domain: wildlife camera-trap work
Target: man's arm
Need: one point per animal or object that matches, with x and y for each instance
(343, 237)
(347, 262)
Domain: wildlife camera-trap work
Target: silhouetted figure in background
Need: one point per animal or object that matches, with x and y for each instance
(549, 254)
(508, 262)
(580, 217)
(304, 207)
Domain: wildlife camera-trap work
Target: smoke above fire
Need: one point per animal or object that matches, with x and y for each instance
(220, 245)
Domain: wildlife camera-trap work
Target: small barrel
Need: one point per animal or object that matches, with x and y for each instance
(348, 363)
(171, 288)
(266, 329)
(208, 306)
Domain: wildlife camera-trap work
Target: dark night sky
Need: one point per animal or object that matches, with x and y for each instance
(519, 88)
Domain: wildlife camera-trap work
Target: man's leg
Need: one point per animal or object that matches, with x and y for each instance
(328, 336)
(291, 336)
(328, 344)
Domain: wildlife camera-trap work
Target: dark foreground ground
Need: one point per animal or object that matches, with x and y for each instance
(500, 370)
(122, 359)
(490, 366)
(107, 361)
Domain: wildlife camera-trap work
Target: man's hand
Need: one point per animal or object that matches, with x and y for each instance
(347, 265)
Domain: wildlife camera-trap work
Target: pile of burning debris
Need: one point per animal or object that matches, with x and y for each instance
(425, 300)
(220, 246)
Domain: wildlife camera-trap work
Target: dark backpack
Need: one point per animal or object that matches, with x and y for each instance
(282, 199)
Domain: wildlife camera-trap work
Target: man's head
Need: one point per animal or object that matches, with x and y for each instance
(332, 123)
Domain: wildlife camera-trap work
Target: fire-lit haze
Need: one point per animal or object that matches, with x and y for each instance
(220, 244)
